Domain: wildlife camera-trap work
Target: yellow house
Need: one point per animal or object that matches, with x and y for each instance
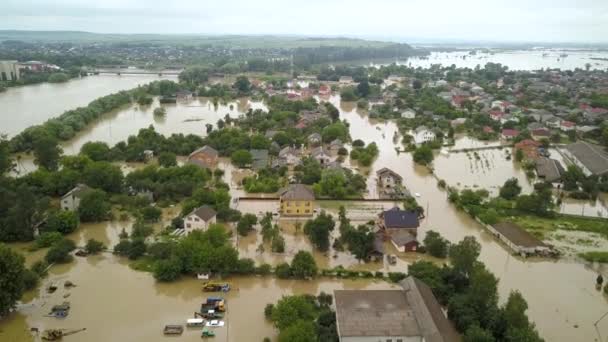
(297, 200)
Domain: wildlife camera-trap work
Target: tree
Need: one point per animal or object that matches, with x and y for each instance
(519, 155)
(318, 230)
(103, 175)
(363, 89)
(93, 246)
(60, 252)
(46, 151)
(360, 241)
(303, 265)
(58, 77)
(94, 206)
(476, 334)
(423, 155)
(12, 271)
(96, 150)
(511, 189)
(62, 221)
(300, 331)
(246, 224)
(242, 84)
(435, 244)
(6, 160)
(159, 111)
(464, 254)
(417, 84)
(150, 214)
(167, 159)
(241, 158)
(167, 269)
(292, 309)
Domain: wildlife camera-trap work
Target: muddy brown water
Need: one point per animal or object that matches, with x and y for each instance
(116, 303)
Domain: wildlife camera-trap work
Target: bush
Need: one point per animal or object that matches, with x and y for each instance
(396, 277)
(47, 239)
(283, 271)
(268, 311)
(62, 221)
(167, 270)
(436, 245)
(40, 267)
(263, 269)
(93, 246)
(30, 279)
(167, 159)
(151, 214)
(58, 77)
(60, 252)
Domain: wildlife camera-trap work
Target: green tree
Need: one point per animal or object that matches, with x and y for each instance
(476, 334)
(300, 331)
(12, 271)
(241, 158)
(94, 206)
(242, 84)
(318, 230)
(167, 159)
(464, 254)
(291, 309)
(150, 214)
(519, 155)
(423, 155)
(436, 245)
(303, 265)
(62, 221)
(46, 151)
(60, 252)
(246, 224)
(96, 150)
(103, 175)
(159, 111)
(93, 246)
(167, 269)
(511, 189)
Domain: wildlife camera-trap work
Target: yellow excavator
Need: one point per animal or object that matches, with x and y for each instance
(58, 334)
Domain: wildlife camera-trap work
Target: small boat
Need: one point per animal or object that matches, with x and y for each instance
(173, 329)
(417, 194)
(195, 322)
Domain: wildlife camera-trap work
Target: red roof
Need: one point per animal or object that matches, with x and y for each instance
(488, 129)
(510, 132)
(458, 99)
(541, 132)
(496, 114)
(568, 123)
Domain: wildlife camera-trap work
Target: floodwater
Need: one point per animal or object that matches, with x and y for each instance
(515, 60)
(21, 107)
(561, 294)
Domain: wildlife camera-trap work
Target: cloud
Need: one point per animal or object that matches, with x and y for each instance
(514, 20)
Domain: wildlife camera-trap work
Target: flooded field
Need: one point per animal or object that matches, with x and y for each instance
(561, 294)
(515, 60)
(34, 104)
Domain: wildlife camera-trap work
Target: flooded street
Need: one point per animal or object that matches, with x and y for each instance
(34, 104)
(561, 294)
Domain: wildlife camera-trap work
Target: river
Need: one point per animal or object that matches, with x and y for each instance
(515, 60)
(561, 295)
(21, 107)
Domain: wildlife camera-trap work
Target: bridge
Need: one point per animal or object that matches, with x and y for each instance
(127, 71)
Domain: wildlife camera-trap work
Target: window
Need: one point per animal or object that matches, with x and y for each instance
(289, 211)
(287, 204)
(188, 225)
(307, 211)
(196, 219)
(298, 211)
(308, 204)
(399, 340)
(389, 340)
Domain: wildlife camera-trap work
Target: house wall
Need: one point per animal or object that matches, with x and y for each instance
(70, 203)
(388, 181)
(193, 222)
(207, 159)
(9, 71)
(382, 339)
(297, 208)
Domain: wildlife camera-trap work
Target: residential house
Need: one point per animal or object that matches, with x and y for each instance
(205, 157)
(184, 95)
(540, 133)
(396, 223)
(567, 126)
(408, 114)
(591, 158)
(458, 122)
(324, 90)
(553, 122)
(296, 200)
(388, 178)
(509, 134)
(314, 139)
(199, 219)
(529, 148)
(496, 115)
(71, 200)
(321, 155)
(550, 170)
(290, 155)
(346, 80)
(423, 135)
(335, 145)
(260, 159)
(409, 314)
(488, 130)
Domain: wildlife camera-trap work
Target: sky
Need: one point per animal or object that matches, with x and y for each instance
(470, 20)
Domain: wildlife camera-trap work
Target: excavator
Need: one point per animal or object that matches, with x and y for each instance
(58, 334)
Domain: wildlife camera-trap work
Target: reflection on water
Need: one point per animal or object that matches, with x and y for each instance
(21, 107)
(515, 60)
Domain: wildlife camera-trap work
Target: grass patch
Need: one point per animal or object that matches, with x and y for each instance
(143, 264)
(595, 256)
(541, 225)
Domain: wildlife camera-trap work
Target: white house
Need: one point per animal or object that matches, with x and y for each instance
(423, 135)
(71, 200)
(408, 114)
(321, 155)
(290, 155)
(200, 218)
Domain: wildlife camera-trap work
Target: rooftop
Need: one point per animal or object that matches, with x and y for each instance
(208, 150)
(297, 192)
(549, 169)
(397, 218)
(593, 157)
(517, 235)
(204, 212)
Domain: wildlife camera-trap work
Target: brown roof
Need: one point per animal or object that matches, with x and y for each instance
(208, 150)
(297, 192)
(204, 212)
(77, 191)
(549, 169)
(388, 171)
(412, 311)
(517, 235)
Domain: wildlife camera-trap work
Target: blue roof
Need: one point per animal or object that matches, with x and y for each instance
(397, 218)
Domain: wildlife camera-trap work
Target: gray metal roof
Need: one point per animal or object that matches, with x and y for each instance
(593, 157)
(204, 212)
(517, 235)
(297, 192)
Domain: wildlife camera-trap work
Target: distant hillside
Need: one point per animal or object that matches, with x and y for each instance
(235, 41)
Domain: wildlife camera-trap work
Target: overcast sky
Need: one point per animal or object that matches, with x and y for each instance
(496, 20)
